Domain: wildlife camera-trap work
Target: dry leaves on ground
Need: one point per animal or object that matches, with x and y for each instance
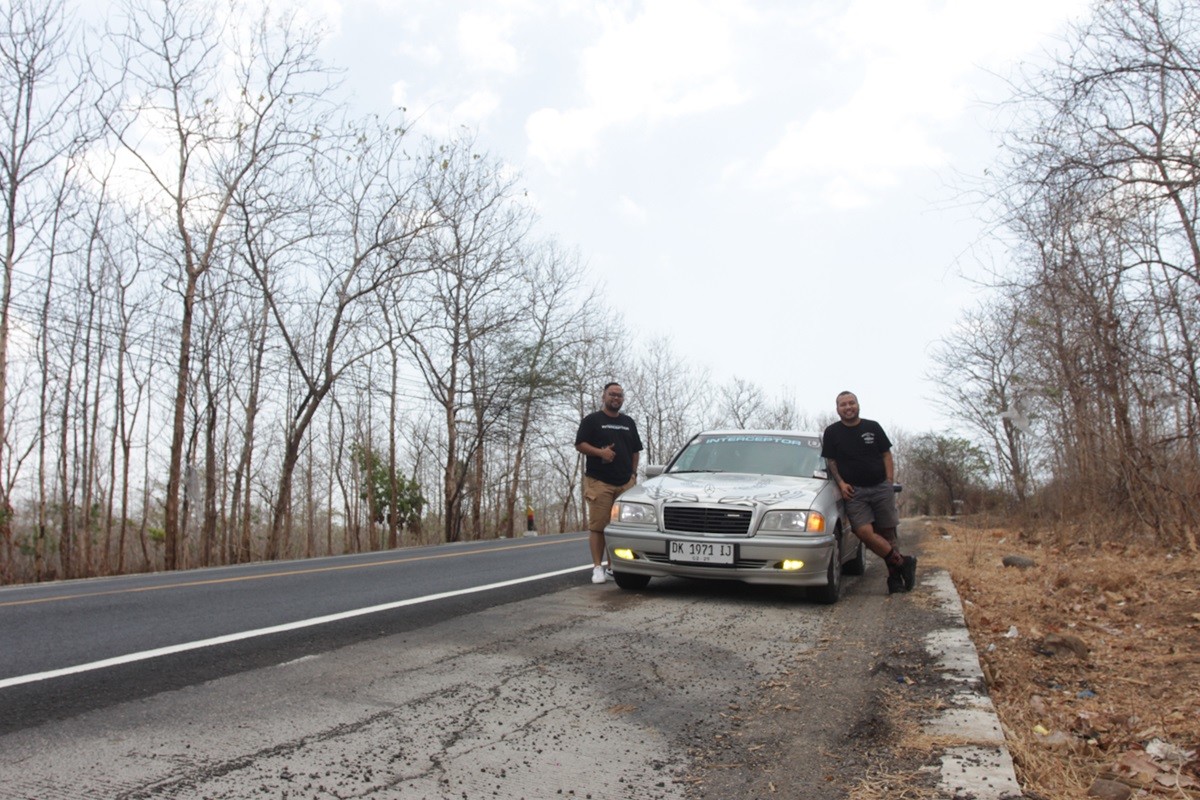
(1092, 658)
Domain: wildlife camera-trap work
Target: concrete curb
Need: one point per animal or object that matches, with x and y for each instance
(981, 768)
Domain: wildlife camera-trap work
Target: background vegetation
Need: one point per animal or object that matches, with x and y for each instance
(237, 322)
(1079, 372)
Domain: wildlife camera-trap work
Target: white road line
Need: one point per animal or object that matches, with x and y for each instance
(291, 626)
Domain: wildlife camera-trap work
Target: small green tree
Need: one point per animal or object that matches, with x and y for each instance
(404, 507)
(947, 467)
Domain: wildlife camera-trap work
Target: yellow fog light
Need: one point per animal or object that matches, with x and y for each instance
(792, 564)
(623, 553)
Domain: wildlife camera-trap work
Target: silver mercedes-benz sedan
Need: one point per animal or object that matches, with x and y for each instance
(752, 506)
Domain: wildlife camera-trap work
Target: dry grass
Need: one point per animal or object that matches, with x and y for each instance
(1092, 657)
(912, 744)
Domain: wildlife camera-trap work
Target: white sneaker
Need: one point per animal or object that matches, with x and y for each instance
(598, 575)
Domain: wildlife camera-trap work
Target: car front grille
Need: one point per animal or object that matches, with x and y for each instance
(698, 519)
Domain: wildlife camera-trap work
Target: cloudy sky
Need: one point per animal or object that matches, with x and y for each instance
(778, 186)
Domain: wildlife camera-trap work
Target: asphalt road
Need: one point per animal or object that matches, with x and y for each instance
(433, 673)
(74, 645)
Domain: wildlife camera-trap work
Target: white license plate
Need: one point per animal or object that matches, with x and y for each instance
(701, 552)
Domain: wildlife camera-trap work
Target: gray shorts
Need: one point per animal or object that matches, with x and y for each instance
(873, 505)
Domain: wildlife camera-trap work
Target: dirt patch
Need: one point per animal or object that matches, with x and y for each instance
(1092, 658)
(842, 714)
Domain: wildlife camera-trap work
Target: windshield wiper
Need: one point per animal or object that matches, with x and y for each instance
(682, 471)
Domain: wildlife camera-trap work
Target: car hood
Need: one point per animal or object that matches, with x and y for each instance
(728, 488)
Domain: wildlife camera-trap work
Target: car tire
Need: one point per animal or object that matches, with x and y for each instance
(858, 564)
(627, 580)
(832, 590)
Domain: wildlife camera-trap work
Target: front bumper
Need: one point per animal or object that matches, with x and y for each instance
(759, 558)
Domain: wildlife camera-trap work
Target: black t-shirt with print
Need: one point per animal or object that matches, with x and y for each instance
(601, 430)
(858, 451)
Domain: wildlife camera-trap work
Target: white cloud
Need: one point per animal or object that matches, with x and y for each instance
(443, 117)
(674, 58)
(476, 108)
(661, 62)
(628, 208)
(426, 54)
(853, 150)
(556, 137)
(841, 193)
(920, 63)
(327, 13)
(401, 94)
(483, 43)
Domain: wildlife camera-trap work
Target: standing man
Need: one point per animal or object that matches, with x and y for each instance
(610, 443)
(859, 456)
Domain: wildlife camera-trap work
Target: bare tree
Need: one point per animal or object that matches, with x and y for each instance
(980, 372)
(473, 252)
(554, 322)
(370, 219)
(740, 404)
(674, 399)
(225, 102)
(42, 125)
(602, 356)
(127, 315)
(1102, 192)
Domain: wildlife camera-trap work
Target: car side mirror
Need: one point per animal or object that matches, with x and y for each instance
(821, 474)
(654, 470)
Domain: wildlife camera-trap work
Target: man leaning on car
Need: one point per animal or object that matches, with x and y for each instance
(611, 446)
(859, 456)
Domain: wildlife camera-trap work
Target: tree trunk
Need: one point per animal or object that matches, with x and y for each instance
(279, 539)
(514, 486)
(208, 529)
(171, 542)
(452, 482)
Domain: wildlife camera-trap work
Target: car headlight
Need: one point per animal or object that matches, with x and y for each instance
(793, 522)
(634, 513)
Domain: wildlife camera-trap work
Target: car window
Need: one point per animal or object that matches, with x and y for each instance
(797, 456)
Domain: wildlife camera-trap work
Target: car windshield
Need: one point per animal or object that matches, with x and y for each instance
(770, 454)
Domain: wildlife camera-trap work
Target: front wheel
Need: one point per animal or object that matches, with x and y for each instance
(627, 580)
(832, 590)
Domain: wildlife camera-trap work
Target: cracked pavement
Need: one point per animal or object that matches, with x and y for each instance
(588, 692)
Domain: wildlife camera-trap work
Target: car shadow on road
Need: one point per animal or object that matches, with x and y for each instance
(739, 592)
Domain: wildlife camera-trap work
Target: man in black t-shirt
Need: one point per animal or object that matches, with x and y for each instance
(859, 456)
(611, 446)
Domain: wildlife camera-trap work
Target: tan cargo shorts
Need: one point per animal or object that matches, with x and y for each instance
(600, 497)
